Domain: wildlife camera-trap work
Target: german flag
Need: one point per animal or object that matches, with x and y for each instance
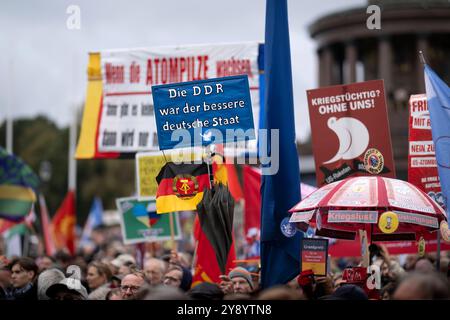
(180, 186)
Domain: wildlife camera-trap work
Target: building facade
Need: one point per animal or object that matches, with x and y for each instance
(349, 51)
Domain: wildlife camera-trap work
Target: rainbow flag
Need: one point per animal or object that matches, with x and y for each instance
(17, 187)
(15, 202)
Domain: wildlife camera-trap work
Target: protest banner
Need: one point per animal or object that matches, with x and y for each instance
(118, 118)
(212, 111)
(315, 255)
(140, 223)
(422, 167)
(350, 131)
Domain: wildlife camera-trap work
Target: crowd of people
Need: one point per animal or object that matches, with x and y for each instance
(110, 271)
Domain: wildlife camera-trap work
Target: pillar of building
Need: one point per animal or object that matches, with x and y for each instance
(351, 57)
(385, 62)
(325, 66)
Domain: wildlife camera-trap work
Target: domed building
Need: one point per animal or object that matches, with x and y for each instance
(349, 51)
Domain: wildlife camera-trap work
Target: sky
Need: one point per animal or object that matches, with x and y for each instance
(43, 63)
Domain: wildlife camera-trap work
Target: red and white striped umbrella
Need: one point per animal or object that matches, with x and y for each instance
(340, 209)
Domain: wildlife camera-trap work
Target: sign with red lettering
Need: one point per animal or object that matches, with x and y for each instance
(350, 131)
(127, 117)
(422, 168)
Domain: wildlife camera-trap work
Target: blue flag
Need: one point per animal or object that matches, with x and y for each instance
(94, 219)
(438, 96)
(280, 241)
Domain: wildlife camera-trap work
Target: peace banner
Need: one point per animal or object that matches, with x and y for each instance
(350, 131)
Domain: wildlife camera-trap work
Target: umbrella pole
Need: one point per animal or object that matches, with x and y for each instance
(438, 251)
(209, 162)
(172, 232)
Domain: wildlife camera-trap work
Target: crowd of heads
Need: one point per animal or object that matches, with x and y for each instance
(111, 272)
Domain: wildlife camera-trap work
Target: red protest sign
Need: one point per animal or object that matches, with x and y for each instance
(350, 131)
(422, 168)
(369, 279)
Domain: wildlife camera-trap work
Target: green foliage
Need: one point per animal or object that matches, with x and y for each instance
(39, 139)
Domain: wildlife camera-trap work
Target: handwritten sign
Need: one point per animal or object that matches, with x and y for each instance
(148, 165)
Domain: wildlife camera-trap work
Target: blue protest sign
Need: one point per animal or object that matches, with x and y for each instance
(203, 112)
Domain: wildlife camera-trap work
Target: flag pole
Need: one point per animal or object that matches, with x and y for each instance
(438, 251)
(172, 232)
(422, 57)
(209, 152)
(9, 116)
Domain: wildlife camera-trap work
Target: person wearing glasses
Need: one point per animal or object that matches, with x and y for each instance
(131, 283)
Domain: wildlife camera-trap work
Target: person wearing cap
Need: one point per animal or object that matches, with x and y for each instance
(65, 290)
(46, 279)
(241, 280)
(178, 276)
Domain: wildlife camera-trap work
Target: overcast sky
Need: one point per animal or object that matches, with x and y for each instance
(43, 64)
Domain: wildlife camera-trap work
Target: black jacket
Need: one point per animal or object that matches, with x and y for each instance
(27, 293)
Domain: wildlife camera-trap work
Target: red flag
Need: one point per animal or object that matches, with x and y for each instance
(252, 198)
(63, 224)
(206, 266)
(7, 224)
(225, 172)
(233, 182)
(45, 221)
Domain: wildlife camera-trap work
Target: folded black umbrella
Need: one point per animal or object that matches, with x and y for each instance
(216, 212)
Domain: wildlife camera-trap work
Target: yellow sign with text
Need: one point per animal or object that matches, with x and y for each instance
(149, 164)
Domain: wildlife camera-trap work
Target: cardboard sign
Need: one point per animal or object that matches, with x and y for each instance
(140, 222)
(148, 165)
(314, 255)
(350, 131)
(422, 167)
(209, 111)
